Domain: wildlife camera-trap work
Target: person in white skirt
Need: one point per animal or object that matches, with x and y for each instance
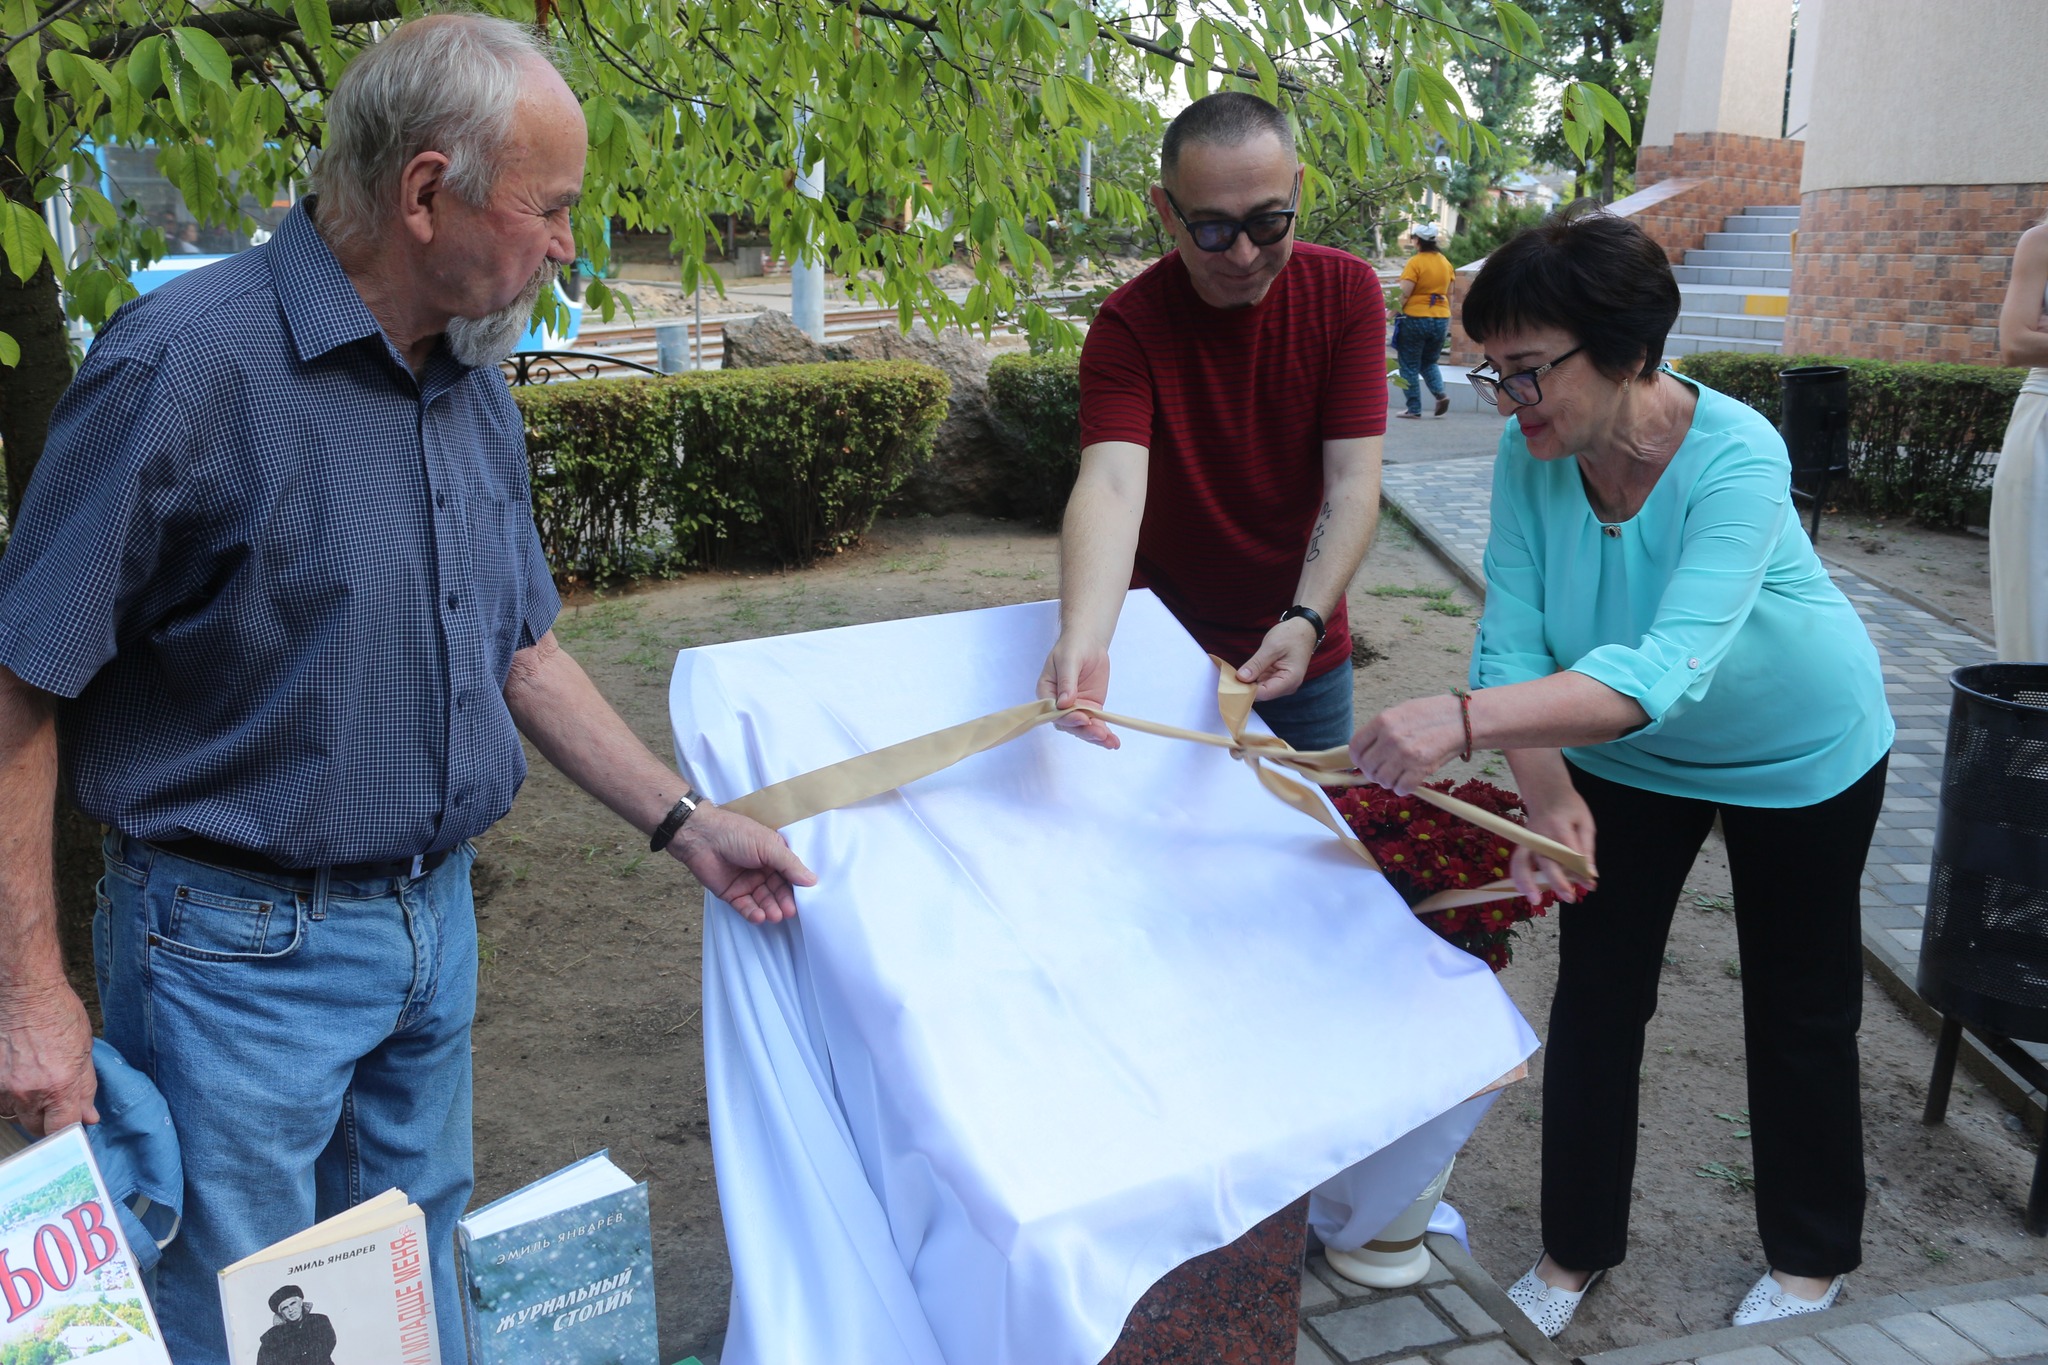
(2019, 492)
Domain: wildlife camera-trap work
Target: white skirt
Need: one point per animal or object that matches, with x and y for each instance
(2019, 529)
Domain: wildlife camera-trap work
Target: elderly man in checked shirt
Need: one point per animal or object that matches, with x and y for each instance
(276, 596)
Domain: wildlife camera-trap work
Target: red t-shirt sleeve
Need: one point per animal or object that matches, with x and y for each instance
(1355, 402)
(1117, 397)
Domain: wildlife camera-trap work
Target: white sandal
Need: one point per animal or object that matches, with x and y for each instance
(1549, 1307)
(1768, 1301)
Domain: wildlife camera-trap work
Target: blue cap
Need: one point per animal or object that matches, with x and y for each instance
(136, 1149)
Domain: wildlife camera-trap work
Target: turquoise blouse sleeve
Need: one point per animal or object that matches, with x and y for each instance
(1732, 526)
(1511, 647)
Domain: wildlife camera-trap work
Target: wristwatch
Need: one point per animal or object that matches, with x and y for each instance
(1308, 614)
(678, 815)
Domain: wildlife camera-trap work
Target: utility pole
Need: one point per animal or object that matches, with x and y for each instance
(1085, 201)
(807, 271)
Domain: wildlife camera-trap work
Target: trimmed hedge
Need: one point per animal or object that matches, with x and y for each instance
(1917, 432)
(1034, 407)
(634, 476)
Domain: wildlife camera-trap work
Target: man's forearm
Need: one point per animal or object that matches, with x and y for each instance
(1098, 544)
(1343, 532)
(560, 710)
(29, 955)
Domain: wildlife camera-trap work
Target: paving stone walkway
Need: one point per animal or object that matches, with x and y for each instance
(2005, 1320)
(1456, 1316)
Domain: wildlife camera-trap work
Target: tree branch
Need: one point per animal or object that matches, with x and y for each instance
(871, 10)
(246, 23)
(15, 40)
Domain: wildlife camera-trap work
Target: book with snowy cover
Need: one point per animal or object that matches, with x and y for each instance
(355, 1289)
(68, 1287)
(561, 1272)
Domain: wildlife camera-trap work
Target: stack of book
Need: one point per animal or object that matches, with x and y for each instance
(558, 1273)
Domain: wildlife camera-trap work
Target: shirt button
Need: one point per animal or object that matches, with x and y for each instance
(1692, 663)
(440, 499)
(452, 600)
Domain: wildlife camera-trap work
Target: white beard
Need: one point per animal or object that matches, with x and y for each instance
(490, 338)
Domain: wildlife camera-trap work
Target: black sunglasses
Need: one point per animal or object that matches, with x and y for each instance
(1520, 386)
(1220, 234)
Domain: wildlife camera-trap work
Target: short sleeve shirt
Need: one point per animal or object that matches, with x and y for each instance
(1431, 271)
(277, 579)
(1234, 407)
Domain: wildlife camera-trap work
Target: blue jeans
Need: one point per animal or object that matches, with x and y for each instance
(1316, 715)
(1422, 341)
(311, 1037)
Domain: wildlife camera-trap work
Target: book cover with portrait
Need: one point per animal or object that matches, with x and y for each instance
(68, 1284)
(353, 1290)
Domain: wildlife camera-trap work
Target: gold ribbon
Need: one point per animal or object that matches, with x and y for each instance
(868, 775)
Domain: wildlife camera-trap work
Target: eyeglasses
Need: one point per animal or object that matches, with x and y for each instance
(1220, 234)
(1521, 386)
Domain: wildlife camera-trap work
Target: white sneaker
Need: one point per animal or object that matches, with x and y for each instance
(1768, 1301)
(1549, 1307)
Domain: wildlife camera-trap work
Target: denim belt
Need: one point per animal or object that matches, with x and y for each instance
(202, 850)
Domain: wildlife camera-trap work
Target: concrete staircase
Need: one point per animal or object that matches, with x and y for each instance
(1733, 292)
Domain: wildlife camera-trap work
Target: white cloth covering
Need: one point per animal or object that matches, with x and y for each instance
(1054, 1020)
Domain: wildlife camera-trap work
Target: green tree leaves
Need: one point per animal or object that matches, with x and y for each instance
(944, 124)
(204, 55)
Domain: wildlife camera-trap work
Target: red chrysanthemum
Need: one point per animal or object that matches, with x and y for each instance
(1424, 851)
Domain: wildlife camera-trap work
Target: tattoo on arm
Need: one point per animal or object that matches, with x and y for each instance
(1315, 540)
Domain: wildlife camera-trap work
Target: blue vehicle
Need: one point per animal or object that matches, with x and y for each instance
(130, 173)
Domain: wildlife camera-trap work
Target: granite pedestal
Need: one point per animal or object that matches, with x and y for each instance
(1237, 1305)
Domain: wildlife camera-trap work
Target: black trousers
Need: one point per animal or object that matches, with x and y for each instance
(1797, 874)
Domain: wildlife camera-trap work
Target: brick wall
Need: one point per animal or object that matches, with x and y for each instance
(1729, 172)
(1734, 172)
(1907, 272)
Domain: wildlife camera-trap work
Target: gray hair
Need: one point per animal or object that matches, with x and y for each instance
(445, 83)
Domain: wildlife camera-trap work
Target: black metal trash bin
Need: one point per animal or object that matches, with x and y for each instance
(1813, 417)
(1984, 952)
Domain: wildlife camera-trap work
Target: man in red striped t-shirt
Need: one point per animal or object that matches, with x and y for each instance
(1233, 404)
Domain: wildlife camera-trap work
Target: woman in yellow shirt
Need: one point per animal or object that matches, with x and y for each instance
(1424, 320)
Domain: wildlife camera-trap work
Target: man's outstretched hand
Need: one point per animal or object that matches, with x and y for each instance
(1075, 677)
(742, 862)
(46, 1076)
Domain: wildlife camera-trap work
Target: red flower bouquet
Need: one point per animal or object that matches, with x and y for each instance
(1424, 851)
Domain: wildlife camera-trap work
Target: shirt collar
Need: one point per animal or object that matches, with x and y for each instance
(322, 309)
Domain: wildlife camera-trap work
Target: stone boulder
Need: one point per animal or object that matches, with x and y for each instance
(963, 474)
(770, 339)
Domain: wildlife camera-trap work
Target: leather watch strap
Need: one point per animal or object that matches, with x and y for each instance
(1308, 614)
(678, 815)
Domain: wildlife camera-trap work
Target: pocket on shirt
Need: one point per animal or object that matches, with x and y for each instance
(209, 926)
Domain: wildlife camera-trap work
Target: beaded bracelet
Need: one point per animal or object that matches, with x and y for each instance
(1465, 713)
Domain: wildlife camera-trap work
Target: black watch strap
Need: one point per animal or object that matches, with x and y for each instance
(1308, 614)
(678, 815)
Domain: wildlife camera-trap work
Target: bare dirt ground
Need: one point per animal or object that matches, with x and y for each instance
(1946, 570)
(587, 1032)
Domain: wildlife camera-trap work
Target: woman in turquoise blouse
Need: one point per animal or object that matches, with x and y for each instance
(1661, 646)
